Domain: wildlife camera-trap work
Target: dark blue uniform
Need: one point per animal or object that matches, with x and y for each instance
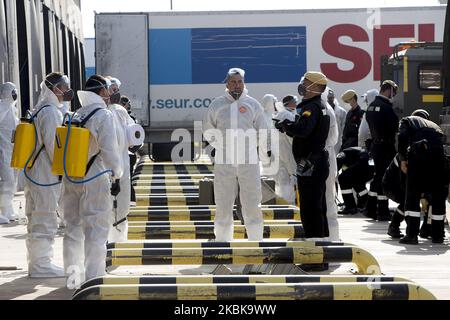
(310, 132)
(383, 125)
(421, 144)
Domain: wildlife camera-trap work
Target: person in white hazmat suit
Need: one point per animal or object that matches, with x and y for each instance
(268, 103)
(340, 114)
(8, 123)
(364, 135)
(88, 206)
(332, 140)
(122, 120)
(285, 180)
(232, 126)
(42, 201)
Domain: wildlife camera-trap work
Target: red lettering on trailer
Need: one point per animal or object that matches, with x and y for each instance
(360, 58)
(362, 61)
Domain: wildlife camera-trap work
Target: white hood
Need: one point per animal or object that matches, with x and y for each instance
(7, 104)
(88, 98)
(370, 95)
(47, 97)
(268, 103)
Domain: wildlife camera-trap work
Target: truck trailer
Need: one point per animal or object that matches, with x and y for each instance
(173, 64)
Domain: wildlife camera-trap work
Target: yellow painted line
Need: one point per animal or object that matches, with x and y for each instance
(433, 98)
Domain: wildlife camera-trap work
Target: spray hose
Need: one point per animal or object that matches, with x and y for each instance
(69, 126)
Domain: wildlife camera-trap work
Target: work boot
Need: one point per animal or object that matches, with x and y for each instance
(349, 201)
(394, 232)
(438, 240)
(408, 240)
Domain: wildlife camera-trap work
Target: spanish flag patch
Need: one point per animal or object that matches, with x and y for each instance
(306, 113)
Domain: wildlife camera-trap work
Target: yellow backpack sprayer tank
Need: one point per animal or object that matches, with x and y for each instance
(24, 140)
(77, 151)
(76, 142)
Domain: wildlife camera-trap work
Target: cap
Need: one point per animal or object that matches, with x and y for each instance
(391, 83)
(316, 77)
(421, 113)
(347, 95)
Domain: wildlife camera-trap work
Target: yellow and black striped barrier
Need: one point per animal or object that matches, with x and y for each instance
(155, 190)
(236, 222)
(162, 183)
(167, 200)
(364, 261)
(259, 291)
(204, 215)
(213, 244)
(170, 169)
(207, 207)
(181, 232)
(151, 177)
(248, 279)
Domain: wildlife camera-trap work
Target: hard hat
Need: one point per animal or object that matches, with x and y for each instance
(316, 77)
(347, 95)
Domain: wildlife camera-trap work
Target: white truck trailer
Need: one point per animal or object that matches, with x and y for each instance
(172, 64)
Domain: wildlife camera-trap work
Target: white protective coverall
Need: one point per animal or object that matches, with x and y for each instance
(285, 180)
(340, 114)
(236, 162)
(268, 104)
(88, 207)
(332, 140)
(8, 123)
(122, 121)
(364, 131)
(42, 202)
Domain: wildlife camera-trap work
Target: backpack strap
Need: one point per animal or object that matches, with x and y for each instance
(89, 116)
(43, 145)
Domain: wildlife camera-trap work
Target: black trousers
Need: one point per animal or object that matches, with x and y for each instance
(133, 160)
(394, 185)
(426, 174)
(355, 178)
(313, 206)
(382, 157)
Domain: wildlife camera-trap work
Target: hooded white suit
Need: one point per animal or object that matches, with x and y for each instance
(42, 202)
(236, 162)
(8, 122)
(88, 207)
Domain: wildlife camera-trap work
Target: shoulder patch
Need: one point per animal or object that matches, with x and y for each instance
(307, 113)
